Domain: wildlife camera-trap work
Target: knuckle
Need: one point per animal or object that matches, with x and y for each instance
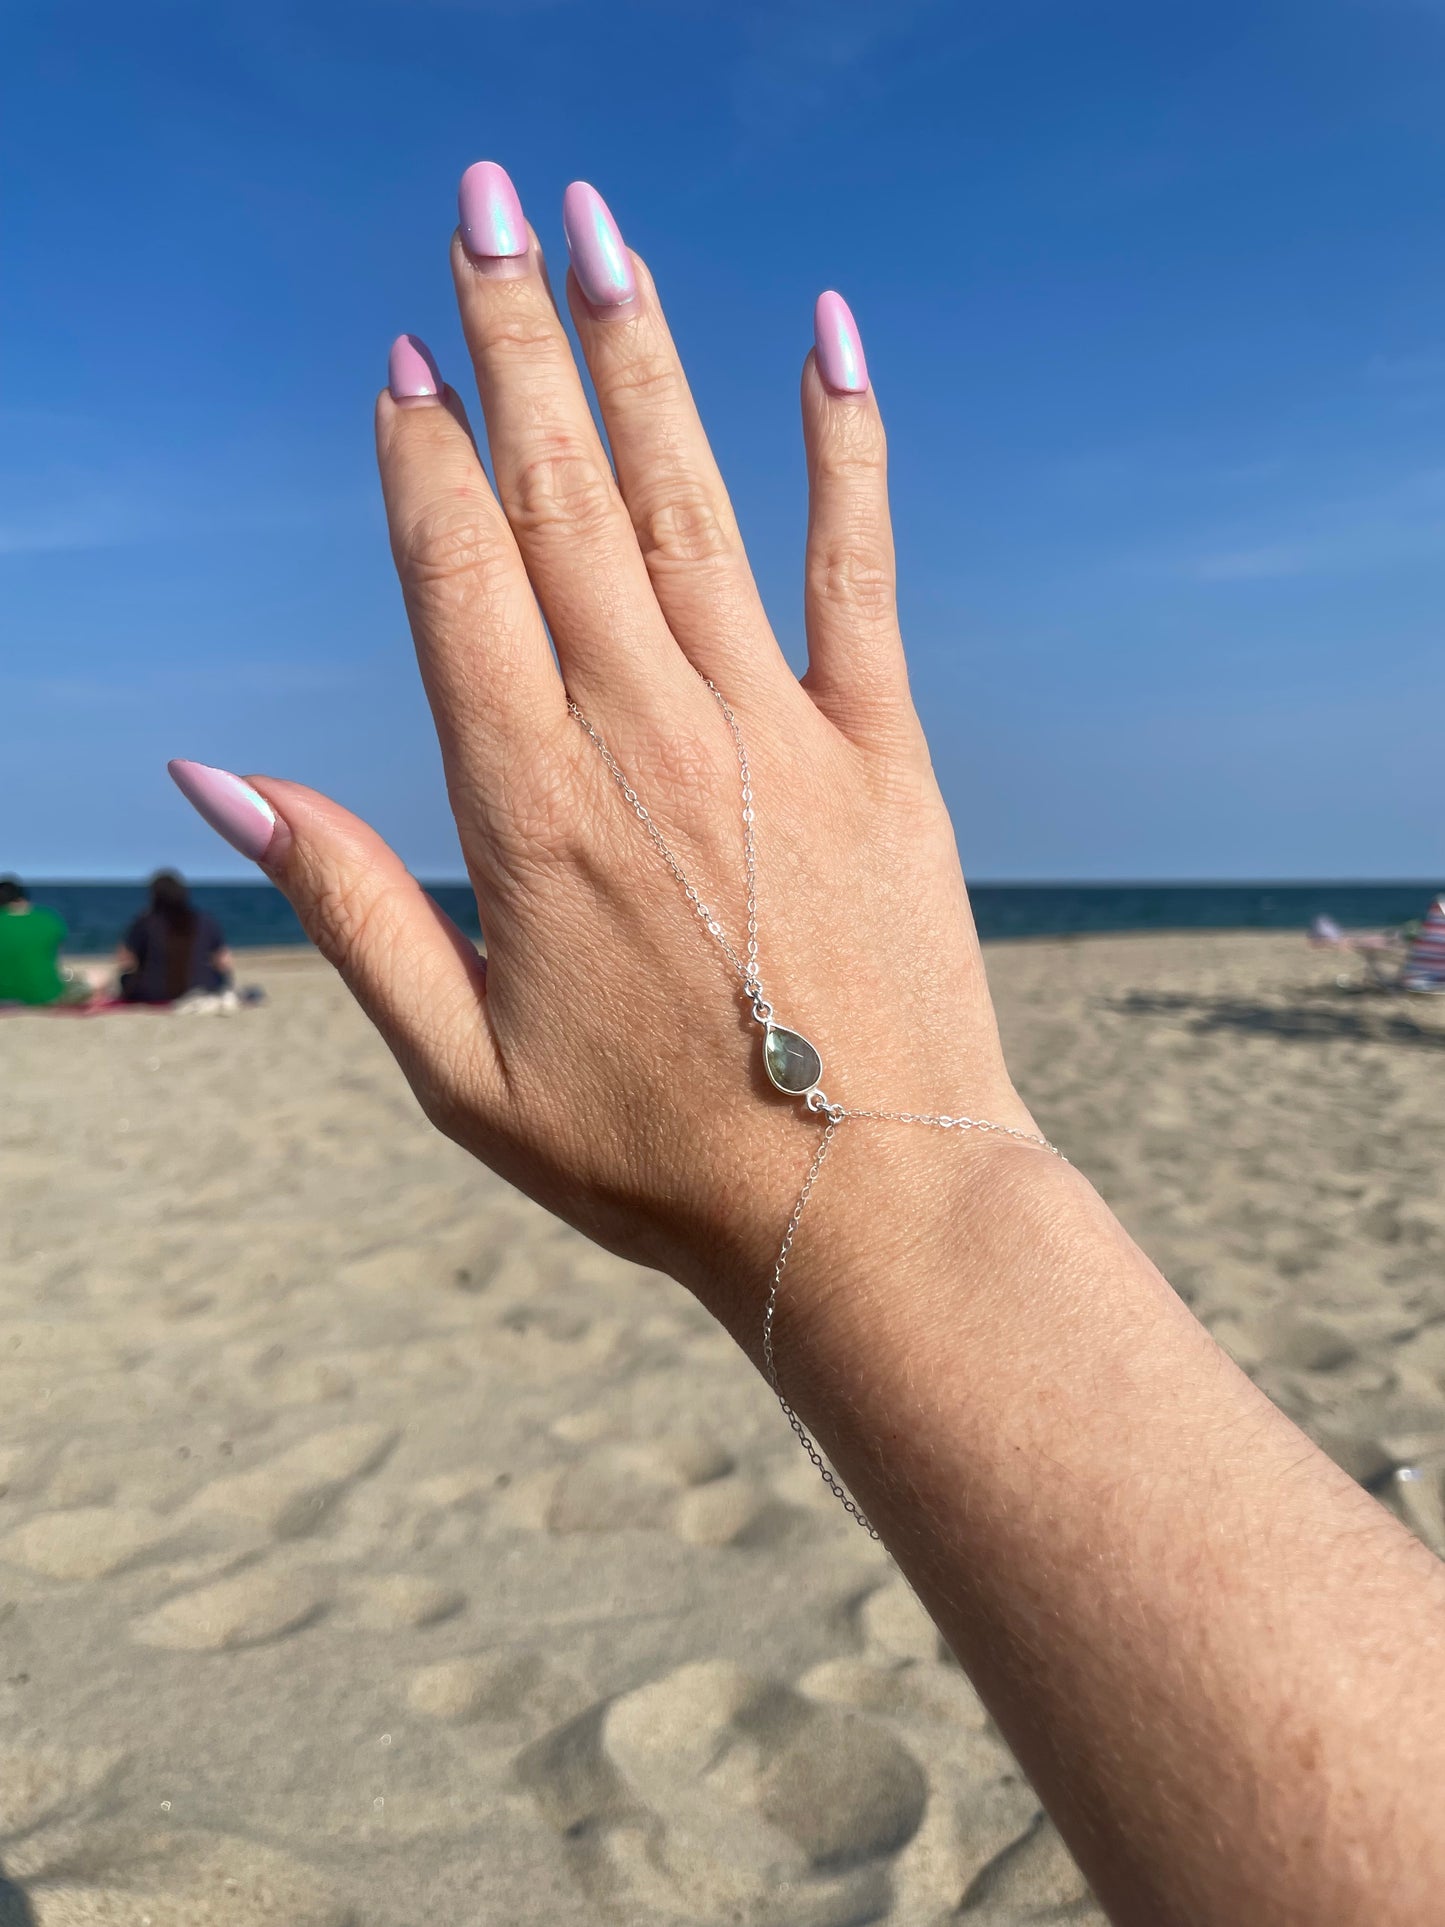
(544, 819)
(681, 758)
(442, 544)
(648, 376)
(448, 1106)
(688, 763)
(849, 575)
(348, 911)
(524, 333)
(562, 486)
(851, 463)
(854, 449)
(535, 831)
(686, 527)
(900, 777)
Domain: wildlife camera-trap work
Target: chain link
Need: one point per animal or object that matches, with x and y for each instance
(747, 971)
(770, 1312)
(941, 1121)
(746, 968)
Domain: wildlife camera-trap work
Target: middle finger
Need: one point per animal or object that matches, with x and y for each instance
(552, 474)
(686, 530)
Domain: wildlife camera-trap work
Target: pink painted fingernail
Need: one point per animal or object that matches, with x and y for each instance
(599, 260)
(231, 807)
(491, 216)
(839, 346)
(411, 374)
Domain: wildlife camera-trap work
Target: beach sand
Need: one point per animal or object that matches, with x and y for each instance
(373, 1550)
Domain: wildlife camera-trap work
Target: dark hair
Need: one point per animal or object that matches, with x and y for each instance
(12, 890)
(171, 902)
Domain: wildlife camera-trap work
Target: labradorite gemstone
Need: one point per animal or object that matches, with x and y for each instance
(793, 1064)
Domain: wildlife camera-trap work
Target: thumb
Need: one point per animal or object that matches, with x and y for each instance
(414, 973)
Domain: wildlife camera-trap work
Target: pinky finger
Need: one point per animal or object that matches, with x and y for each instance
(856, 672)
(413, 972)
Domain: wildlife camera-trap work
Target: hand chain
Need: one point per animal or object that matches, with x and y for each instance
(746, 968)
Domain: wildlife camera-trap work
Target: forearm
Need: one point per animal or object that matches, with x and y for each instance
(1196, 1633)
(1218, 1659)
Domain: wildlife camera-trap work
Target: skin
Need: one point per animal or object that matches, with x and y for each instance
(1222, 1664)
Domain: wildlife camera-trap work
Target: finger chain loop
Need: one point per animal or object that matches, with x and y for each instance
(792, 1063)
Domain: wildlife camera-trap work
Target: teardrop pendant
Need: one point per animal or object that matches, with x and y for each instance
(791, 1061)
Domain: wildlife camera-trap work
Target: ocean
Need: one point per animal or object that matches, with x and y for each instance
(255, 913)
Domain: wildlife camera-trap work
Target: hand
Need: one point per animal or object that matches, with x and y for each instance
(1168, 1599)
(602, 1059)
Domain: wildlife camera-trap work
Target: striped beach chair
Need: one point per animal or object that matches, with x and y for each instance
(1392, 959)
(1423, 969)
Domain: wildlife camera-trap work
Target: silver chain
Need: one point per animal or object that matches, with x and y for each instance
(746, 968)
(747, 971)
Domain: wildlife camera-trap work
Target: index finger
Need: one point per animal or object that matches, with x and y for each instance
(495, 694)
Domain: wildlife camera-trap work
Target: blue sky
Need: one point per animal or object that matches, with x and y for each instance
(1153, 297)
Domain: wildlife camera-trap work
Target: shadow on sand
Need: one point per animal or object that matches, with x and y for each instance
(15, 1909)
(1309, 1013)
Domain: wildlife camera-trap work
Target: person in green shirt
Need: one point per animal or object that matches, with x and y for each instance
(30, 940)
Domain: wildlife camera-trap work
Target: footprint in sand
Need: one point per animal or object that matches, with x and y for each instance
(519, 1256)
(52, 1803)
(1358, 1452)
(1286, 1338)
(981, 1813)
(738, 1511)
(552, 1322)
(714, 1795)
(198, 1881)
(82, 1483)
(398, 1602)
(248, 1610)
(1032, 1879)
(23, 1470)
(88, 1542)
(682, 1482)
(504, 1687)
(891, 1624)
(292, 1495)
(620, 1484)
(902, 1689)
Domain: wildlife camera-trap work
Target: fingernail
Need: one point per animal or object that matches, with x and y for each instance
(839, 346)
(491, 216)
(411, 374)
(232, 808)
(599, 260)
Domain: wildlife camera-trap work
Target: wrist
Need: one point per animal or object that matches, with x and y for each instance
(902, 1223)
(949, 1327)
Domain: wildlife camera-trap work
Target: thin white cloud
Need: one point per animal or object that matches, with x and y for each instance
(81, 522)
(1399, 523)
(1269, 562)
(49, 514)
(139, 686)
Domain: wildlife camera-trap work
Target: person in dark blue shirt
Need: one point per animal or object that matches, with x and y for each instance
(172, 948)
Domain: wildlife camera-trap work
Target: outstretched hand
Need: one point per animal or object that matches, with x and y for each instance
(1183, 1616)
(601, 1058)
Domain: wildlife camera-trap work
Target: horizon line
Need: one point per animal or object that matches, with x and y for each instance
(260, 881)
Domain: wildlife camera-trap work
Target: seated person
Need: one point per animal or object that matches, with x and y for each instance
(30, 940)
(172, 948)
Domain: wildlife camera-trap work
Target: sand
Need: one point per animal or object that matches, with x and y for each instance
(375, 1551)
